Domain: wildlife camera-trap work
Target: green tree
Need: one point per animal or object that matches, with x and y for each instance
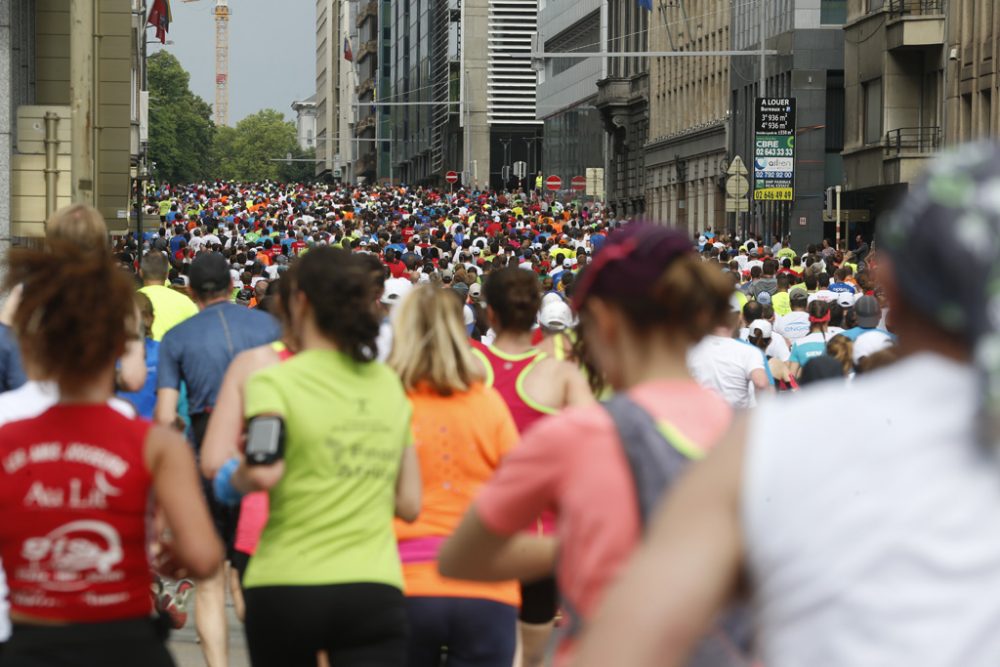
(250, 153)
(181, 132)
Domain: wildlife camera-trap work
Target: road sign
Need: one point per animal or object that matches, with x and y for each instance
(737, 168)
(737, 205)
(595, 181)
(553, 183)
(774, 150)
(520, 169)
(451, 177)
(578, 183)
(737, 187)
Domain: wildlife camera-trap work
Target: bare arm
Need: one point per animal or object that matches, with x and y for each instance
(474, 552)
(577, 390)
(409, 487)
(759, 379)
(694, 551)
(178, 493)
(166, 406)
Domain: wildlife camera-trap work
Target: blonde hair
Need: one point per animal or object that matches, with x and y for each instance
(80, 224)
(841, 348)
(435, 349)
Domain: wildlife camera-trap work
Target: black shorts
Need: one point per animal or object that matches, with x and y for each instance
(112, 644)
(239, 561)
(539, 601)
(225, 517)
(356, 624)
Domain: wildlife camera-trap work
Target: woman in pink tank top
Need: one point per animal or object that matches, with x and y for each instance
(534, 386)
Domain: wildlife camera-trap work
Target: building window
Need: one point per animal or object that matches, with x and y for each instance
(832, 12)
(875, 5)
(872, 91)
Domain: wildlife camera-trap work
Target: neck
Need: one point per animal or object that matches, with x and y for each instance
(657, 358)
(98, 391)
(514, 342)
(312, 338)
(151, 282)
(211, 302)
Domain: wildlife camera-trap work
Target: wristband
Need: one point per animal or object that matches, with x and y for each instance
(222, 485)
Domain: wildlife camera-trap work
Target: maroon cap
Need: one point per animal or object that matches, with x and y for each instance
(630, 262)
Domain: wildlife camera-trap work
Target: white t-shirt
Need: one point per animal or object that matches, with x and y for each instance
(26, 402)
(724, 365)
(875, 547)
(792, 326)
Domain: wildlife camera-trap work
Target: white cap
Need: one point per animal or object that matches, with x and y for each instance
(567, 263)
(556, 315)
(396, 290)
(846, 300)
(869, 343)
(761, 328)
(551, 297)
(475, 290)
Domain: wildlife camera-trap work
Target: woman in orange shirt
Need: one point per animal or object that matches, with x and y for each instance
(462, 430)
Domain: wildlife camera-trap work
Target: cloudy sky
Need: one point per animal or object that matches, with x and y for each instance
(272, 56)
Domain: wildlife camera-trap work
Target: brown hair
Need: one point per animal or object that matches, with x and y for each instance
(515, 297)
(841, 348)
(690, 296)
(80, 224)
(75, 311)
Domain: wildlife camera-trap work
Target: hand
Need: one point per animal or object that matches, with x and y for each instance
(165, 561)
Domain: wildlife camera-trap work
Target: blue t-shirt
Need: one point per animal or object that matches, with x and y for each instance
(11, 371)
(809, 347)
(198, 350)
(144, 400)
(175, 244)
(854, 333)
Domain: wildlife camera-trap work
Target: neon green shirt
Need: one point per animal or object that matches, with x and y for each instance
(164, 207)
(346, 427)
(170, 308)
(781, 303)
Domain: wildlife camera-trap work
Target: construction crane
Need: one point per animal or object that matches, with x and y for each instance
(221, 110)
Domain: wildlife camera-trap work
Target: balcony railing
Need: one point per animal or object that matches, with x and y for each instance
(912, 140)
(915, 7)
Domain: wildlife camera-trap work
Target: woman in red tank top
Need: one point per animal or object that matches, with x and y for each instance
(76, 481)
(534, 386)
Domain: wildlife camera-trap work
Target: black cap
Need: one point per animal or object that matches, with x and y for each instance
(868, 311)
(209, 273)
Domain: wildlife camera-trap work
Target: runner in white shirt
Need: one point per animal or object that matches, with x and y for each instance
(732, 368)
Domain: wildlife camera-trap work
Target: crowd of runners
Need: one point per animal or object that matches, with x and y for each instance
(403, 427)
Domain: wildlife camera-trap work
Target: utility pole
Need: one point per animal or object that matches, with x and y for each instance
(760, 93)
(82, 116)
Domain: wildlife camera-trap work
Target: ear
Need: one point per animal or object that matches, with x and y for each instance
(604, 320)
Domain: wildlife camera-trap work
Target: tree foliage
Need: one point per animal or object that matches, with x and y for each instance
(181, 132)
(187, 147)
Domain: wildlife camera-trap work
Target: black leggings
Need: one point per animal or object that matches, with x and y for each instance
(112, 644)
(358, 625)
(461, 632)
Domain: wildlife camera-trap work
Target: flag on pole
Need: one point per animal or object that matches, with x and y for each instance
(160, 18)
(348, 54)
(646, 4)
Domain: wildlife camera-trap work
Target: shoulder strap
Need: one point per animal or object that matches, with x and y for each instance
(654, 461)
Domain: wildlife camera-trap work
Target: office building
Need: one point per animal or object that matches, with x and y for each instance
(305, 122)
(329, 55)
(808, 36)
(687, 154)
(574, 138)
(894, 70)
(622, 100)
(366, 67)
(88, 117)
(463, 89)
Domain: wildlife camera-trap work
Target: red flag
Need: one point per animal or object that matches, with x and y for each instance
(348, 54)
(160, 18)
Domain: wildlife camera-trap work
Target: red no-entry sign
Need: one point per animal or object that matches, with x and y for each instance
(451, 177)
(578, 183)
(553, 183)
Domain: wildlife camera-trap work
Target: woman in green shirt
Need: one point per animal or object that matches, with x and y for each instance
(326, 575)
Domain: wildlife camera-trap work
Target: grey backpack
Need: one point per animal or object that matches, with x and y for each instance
(655, 465)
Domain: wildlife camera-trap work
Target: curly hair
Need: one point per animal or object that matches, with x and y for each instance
(340, 289)
(75, 312)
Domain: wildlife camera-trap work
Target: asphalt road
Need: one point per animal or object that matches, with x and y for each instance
(187, 653)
